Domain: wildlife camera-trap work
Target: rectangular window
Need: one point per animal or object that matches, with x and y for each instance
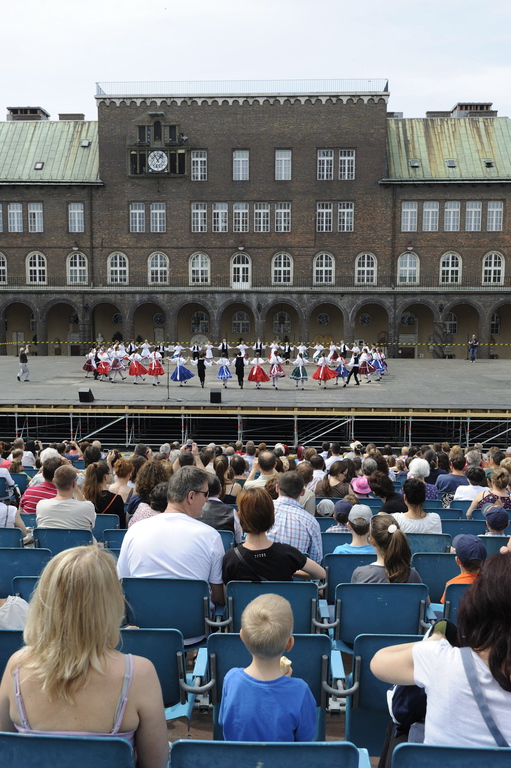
(199, 165)
(494, 216)
(240, 164)
(282, 217)
(452, 216)
(220, 217)
(282, 164)
(75, 217)
(137, 217)
(35, 217)
(324, 213)
(240, 217)
(158, 217)
(261, 217)
(325, 164)
(347, 164)
(409, 217)
(346, 215)
(430, 216)
(199, 217)
(15, 216)
(473, 211)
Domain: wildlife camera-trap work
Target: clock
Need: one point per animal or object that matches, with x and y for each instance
(157, 161)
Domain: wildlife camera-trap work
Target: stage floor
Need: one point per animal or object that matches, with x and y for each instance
(455, 385)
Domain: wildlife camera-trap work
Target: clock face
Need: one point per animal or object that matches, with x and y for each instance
(158, 160)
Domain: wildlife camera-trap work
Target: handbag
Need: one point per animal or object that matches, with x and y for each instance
(475, 685)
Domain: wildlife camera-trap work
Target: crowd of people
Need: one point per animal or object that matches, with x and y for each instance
(173, 503)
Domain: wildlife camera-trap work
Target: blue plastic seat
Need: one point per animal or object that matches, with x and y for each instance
(21, 480)
(333, 540)
(18, 561)
(432, 505)
(340, 569)
(113, 537)
(455, 527)
(29, 518)
(425, 756)
(11, 537)
(435, 570)
(104, 523)
(23, 586)
(449, 514)
(326, 522)
(247, 754)
(460, 504)
(20, 750)
(453, 595)
(227, 539)
(493, 543)
(429, 542)
(11, 640)
(59, 539)
(303, 596)
(3, 489)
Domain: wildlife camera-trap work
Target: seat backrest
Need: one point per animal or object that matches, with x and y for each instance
(435, 569)
(429, 542)
(227, 539)
(340, 569)
(38, 751)
(455, 527)
(379, 609)
(3, 487)
(168, 604)
(113, 537)
(24, 586)
(11, 537)
(425, 755)
(326, 522)
(104, 523)
(432, 504)
(235, 754)
(161, 647)
(461, 504)
(302, 595)
(449, 514)
(19, 561)
(453, 595)
(493, 543)
(59, 539)
(29, 518)
(21, 480)
(333, 540)
(11, 640)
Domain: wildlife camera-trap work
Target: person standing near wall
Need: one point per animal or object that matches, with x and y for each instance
(472, 348)
(24, 352)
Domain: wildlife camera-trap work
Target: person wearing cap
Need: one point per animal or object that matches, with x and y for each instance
(470, 555)
(359, 521)
(497, 520)
(341, 510)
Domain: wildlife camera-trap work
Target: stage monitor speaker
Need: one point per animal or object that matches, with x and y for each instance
(85, 395)
(215, 396)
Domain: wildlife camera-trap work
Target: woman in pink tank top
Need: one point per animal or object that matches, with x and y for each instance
(69, 679)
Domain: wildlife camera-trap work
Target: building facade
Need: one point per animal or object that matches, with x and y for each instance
(300, 210)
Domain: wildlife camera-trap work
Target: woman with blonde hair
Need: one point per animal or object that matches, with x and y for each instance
(496, 494)
(69, 679)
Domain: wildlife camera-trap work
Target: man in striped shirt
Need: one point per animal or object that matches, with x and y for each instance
(45, 490)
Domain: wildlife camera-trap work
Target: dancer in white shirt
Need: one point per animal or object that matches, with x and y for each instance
(299, 372)
(276, 369)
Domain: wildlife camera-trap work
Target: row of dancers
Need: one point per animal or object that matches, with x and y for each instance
(107, 365)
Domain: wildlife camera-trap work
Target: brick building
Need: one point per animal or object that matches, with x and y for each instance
(271, 209)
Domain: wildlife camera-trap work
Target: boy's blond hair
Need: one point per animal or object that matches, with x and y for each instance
(267, 625)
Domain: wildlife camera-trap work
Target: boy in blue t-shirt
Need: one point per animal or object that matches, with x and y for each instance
(359, 522)
(260, 703)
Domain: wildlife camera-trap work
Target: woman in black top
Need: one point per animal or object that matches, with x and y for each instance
(258, 558)
(201, 369)
(97, 479)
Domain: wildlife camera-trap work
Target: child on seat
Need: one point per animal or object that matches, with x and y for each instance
(263, 702)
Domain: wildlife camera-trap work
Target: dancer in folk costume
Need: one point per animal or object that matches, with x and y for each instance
(180, 373)
(377, 362)
(366, 367)
(257, 372)
(303, 350)
(122, 349)
(178, 349)
(299, 372)
(333, 353)
(239, 366)
(353, 365)
(208, 348)
(201, 364)
(224, 373)
(155, 367)
(195, 349)
(276, 369)
(274, 347)
(145, 350)
(89, 365)
(136, 368)
(259, 348)
(117, 366)
(323, 372)
(103, 367)
(224, 348)
(287, 348)
(341, 371)
(242, 347)
(318, 350)
(131, 348)
(343, 350)
(383, 360)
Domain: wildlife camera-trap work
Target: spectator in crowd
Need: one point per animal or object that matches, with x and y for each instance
(250, 454)
(447, 484)
(359, 520)
(473, 458)
(341, 511)
(95, 489)
(10, 517)
(317, 463)
(148, 477)
(17, 453)
(497, 493)
(45, 490)
(393, 555)
(336, 482)
(293, 525)
(13, 612)
(141, 449)
(476, 484)
(382, 486)
(218, 514)
(308, 499)
(64, 510)
(69, 676)
(401, 470)
(495, 456)
(470, 555)
(497, 520)
(335, 455)
(419, 469)
(266, 463)
(416, 519)
(157, 504)
(434, 470)
(258, 557)
(123, 469)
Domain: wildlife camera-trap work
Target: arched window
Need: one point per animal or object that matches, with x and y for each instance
(200, 322)
(241, 271)
(282, 269)
(450, 269)
(158, 268)
(199, 269)
(77, 269)
(451, 324)
(365, 269)
(323, 269)
(493, 269)
(281, 324)
(240, 323)
(408, 269)
(117, 269)
(3, 268)
(36, 268)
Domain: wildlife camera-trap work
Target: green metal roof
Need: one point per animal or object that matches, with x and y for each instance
(432, 141)
(54, 143)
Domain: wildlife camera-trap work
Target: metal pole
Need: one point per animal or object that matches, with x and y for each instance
(296, 429)
(409, 431)
(240, 426)
(468, 432)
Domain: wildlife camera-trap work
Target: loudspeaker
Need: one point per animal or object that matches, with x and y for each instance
(215, 396)
(85, 395)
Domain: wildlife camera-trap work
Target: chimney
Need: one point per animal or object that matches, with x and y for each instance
(27, 113)
(71, 116)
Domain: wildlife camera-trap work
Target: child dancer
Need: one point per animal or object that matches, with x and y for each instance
(318, 349)
(377, 363)
(366, 368)
(201, 364)
(323, 372)
(299, 372)
(155, 367)
(89, 366)
(224, 373)
(145, 350)
(181, 373)
(136, 368)
(332, 352)
(341, 371)
(257, 372)
(104, 365)
(117, 366)
(276, 369)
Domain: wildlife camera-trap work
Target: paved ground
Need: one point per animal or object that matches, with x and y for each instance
(445, 384)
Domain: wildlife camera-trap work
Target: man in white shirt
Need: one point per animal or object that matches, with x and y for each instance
(266, 463)
(476, 478)
(64, 510)
(335, 455)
